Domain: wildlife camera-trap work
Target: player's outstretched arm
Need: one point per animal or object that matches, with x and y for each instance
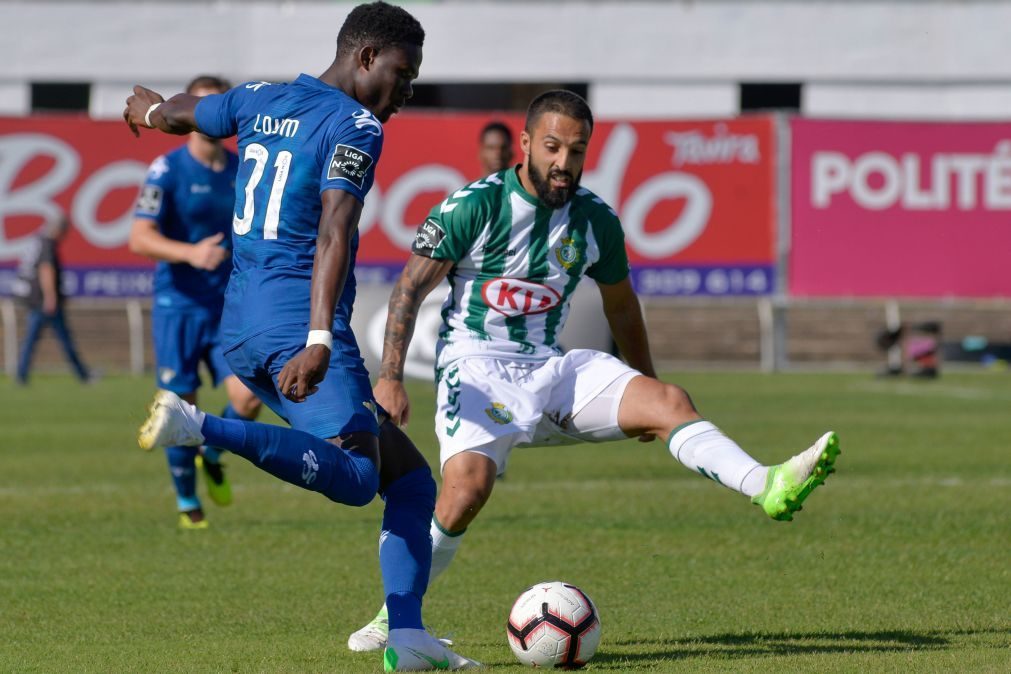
(337, 224)
(148, 109)
(419, 278)
(624, 316)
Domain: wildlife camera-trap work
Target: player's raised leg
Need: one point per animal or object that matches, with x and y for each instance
(788, 484)
(649, 406)
(344, 472)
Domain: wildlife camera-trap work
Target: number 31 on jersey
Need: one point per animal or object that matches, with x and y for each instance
(261, 156)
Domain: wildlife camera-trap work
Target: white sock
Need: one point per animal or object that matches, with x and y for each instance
(700, 446)
(444, 547)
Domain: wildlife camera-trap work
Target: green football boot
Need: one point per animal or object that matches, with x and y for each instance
(788, 484)
(218, 486)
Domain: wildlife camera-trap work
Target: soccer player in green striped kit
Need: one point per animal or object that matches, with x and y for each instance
(514, 246)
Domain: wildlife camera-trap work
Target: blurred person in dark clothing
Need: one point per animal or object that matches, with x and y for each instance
(39, 287)
(496, 148)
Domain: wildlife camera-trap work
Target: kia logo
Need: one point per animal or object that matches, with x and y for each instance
(513, 297)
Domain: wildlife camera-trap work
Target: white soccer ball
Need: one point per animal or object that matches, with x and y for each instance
(554, 624)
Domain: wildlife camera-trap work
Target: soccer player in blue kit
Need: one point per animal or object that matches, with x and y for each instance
(182, 218)
(308, 152)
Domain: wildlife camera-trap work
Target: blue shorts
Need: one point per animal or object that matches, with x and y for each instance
(182, 339)
(343, 404)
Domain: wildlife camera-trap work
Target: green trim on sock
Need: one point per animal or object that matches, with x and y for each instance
(446, 532)
(684, 425)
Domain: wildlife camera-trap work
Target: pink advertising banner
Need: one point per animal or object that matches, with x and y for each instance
(900, 209)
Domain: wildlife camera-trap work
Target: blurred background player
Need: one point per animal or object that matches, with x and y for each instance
(502, 379)
(496, 147)
(183, 219)
(38, 286)
(309, 151)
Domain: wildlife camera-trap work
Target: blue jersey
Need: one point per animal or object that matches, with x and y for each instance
(296, 140)
(189, 201)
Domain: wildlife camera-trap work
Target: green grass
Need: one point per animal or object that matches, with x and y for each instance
(902, 562)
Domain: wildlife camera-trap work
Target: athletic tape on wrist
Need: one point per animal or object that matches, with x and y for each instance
(147, 117)
(324, 337)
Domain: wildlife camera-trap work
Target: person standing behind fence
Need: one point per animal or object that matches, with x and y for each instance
(39, 287)
(183, 219)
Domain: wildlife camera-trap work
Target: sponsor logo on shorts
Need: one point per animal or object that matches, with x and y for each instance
(499, 414)
(452, 401)
(567, 253)
(310, 468)
(515, 297)
(349, 163)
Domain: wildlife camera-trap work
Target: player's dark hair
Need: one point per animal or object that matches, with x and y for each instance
(562, 102)
(208, 82)
(378, 24)
(497, 126)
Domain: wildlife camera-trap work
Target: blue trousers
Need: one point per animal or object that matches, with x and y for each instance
(38, 320)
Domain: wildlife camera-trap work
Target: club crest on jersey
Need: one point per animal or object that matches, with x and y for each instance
(499, 414)
(349, 163)
(366, 122)
(567, 253)
(515, 297)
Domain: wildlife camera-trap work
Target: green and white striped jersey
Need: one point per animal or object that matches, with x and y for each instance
(517, 263)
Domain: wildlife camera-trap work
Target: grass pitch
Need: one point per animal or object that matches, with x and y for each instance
(902, 562)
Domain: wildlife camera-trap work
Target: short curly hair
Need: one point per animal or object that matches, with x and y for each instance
(563, 102)
(378, 24)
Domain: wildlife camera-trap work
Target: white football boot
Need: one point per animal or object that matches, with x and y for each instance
(373, 636)
(411, 650)
(172, 421)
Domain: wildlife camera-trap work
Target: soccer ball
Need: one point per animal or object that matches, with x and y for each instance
(554, 625)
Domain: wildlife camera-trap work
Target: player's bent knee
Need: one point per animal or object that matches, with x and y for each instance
(459, 505)
(677, 399)
(359, 493)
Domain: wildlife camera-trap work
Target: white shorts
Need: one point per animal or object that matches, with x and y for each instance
(490, 405)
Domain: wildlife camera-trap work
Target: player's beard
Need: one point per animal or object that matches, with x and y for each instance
(553, 197)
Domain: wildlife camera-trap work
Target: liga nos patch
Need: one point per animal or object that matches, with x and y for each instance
(349, 163)
(149, 200)
(429, 236)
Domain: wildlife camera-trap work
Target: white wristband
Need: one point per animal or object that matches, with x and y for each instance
(147, 117)
(324, 337)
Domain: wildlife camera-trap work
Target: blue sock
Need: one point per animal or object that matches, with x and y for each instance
(213, 454)
(184, 476)
(298, 458)
(405, 547)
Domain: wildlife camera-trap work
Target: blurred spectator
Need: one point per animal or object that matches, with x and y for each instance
(496, 148)
(38, 287)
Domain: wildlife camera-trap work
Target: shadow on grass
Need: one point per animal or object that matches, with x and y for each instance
(734, 646)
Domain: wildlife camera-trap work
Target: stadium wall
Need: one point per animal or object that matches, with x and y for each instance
(897, 58)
